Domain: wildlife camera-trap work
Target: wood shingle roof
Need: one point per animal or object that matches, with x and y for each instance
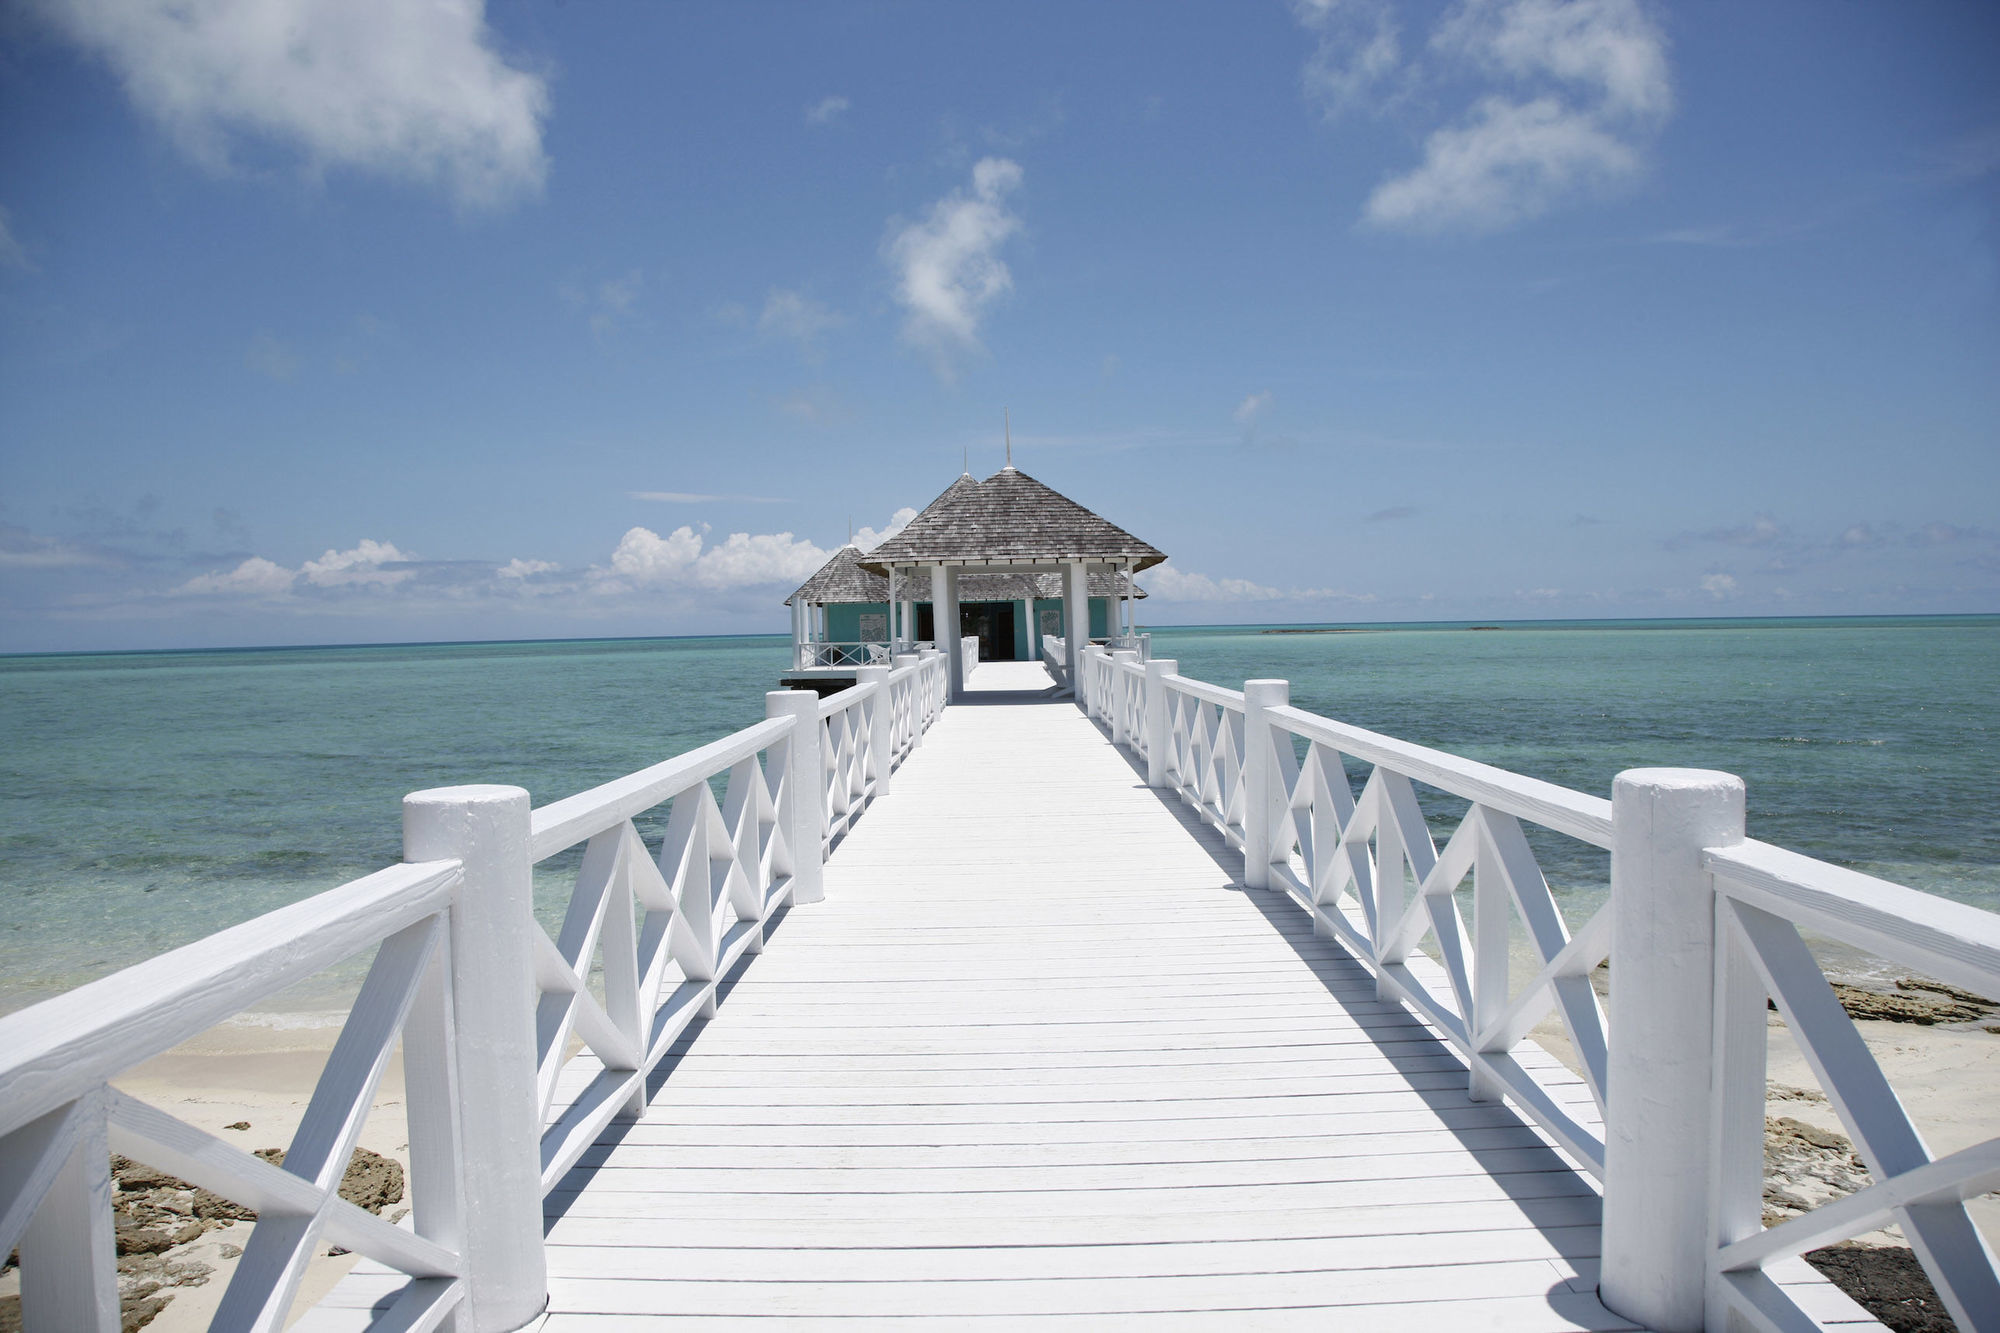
(1009, 516)
(842, 579)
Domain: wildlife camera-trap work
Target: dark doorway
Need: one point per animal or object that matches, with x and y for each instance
(993, 622)
(924, 623)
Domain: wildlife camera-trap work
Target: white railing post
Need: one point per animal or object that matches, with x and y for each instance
(1117, 692)
(804, 807)
(69, 1257)
(493, 1007)
(918, 705)
(881, 743)
(1262, 792)
(1658, 1154)
(1159, 721)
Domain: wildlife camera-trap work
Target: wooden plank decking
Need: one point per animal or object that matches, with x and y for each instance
(1038, 1059)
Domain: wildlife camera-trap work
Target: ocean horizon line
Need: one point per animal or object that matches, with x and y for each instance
(1461, 623)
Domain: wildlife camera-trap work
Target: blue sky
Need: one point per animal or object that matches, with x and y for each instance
(346, 320)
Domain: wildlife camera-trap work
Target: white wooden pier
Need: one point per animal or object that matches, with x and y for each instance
(968, 1007)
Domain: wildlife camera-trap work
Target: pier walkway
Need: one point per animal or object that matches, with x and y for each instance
(1038, 1053)
(974, 1007)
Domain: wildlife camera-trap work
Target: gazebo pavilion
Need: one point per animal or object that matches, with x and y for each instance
(1011, 525)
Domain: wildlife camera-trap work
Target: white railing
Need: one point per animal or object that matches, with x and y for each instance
(1055, 657)
(60, 1120)
(1764, 896)
(1708, 926)
(826, 653)
(486, 1004)
(968, 657)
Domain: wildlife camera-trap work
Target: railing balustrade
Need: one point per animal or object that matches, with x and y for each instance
(1711, 928)
(487, 1006)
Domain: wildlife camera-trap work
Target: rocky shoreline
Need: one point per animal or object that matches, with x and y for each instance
(159, 1219)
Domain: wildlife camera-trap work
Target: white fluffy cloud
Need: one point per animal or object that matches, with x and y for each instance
(645, 559)
(370, 565)
(1582, 85)
(1511, 162)
(948, 267)
(409, 90)
(255, 577)
(868, 538)
(1172, 585)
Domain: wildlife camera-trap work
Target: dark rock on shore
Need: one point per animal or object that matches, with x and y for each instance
(1888, 1282)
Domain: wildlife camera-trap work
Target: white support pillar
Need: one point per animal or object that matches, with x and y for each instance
(1263, 792)
(1119, 736)
(1076, 629)
(803, 812)
(1658, 1163)
(881, 746)
(894, 637)
(944, 621)
(493, 1006)
(1159, 722)
(938, 631)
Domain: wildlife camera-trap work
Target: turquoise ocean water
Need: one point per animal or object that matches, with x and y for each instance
(153, 798)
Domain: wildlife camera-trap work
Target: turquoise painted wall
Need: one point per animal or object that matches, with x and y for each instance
(843, 620)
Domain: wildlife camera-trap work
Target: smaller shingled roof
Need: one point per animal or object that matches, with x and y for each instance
(1010, 516)
(842, 579)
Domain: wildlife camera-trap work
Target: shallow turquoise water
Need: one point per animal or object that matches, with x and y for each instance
(149, 799)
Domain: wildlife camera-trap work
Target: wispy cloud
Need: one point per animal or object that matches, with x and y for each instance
(12, 253)
(1253, 406)
(21, 549)
(948, 267)
(1357, 47)
(1575, 90)
(1392, 514)
(410, 91)
(701, 497)
(793, 315)
(827, 110)
(269, 356)
(610, 304)
(1173, 585)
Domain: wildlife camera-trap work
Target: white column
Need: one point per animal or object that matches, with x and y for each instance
(1076, 628)
(1159, 724)
(1657, 1148)
(493, 1005)
(938, 632)
(1262, 789)
(894, 637)
(944, 622)
(803, 813)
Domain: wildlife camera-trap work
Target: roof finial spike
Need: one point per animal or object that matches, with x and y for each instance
(968, 459)
(1007, 424)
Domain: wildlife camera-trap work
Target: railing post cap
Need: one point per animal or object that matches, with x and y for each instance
(1685, 782)
(1267, 691)
(487, 794)
(1163, 666)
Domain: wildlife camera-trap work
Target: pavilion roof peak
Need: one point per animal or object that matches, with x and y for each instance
(1010, 516)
